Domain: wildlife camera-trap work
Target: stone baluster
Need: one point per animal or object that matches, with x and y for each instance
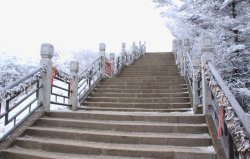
(134, 53)
(47, 51)
(102, 48)
(112, 60)
(123, 54)
(144, 48)
(174, 49)
(179, 52)
(196, 60)
(140, 49)
(207, 55)
(74, 68)
(185, 50)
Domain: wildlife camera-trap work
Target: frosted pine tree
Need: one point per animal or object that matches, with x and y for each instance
(227, 21)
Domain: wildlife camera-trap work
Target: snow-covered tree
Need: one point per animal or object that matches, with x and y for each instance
(227, 21)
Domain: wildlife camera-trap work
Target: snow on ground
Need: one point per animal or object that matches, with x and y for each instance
(207, 149)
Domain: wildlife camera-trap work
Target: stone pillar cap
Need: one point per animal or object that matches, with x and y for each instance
(206, 44)
(196, 60)
(102, 46)
(179, 42)
(112, 55)
(186, 42)
(47, 50)
(123, 45)
(74, 66)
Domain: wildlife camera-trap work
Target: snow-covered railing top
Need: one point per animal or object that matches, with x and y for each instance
(84, 73)
(22, 84)
(217, 99)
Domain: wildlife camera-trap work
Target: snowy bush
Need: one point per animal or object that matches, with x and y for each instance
(84, 57)
(12, 68)
(227, 21)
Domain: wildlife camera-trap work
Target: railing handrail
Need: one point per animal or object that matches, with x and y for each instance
(189, 58)
(245, 120)
(16, 83)
(86, 69)
(215, 97)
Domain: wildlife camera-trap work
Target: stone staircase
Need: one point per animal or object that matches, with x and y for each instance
(142, 113)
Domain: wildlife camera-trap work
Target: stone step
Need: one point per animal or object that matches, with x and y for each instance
(125, 150)
(137, 105)
(173, 90)
(117, 109)
(138, 100)
(146, 64)
(141, 87)
(123, 126)
(155, 78)
(149, 71)
(150, 75)
(143, 69)
(121, 137)
(138, 95)
(140, 80)
(160, 72)
(21, 153)
(126, 116)
(119, 83)
(136, 74)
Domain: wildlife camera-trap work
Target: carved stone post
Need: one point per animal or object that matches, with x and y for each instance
(112, 59)
(123, 54)
(134, 53)
(144, 48)
(47, 51)
(196, 60)
(207, 55)
(102, 48)
(179, 52)
(74, 68)
(185, 50)
(175, 49)
(140, 49)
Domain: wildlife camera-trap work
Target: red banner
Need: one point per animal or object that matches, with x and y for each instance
(220, 122)
(108, 68)
(53, 74)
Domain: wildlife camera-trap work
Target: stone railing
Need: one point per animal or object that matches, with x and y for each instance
(211, 96)
(47, 85)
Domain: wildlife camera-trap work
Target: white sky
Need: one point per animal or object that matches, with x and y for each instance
(80, 24)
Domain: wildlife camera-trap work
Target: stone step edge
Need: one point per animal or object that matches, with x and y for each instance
(174, 139)
(130, 123)
(138, 98)
(139, 103)
(36, 153)
(117, 147)
(142, 114)
(120, 134)
(133, 109)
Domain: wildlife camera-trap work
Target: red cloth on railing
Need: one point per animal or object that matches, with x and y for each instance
(220, 122)
(53, 74)
(70, 87)
(108, 68)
